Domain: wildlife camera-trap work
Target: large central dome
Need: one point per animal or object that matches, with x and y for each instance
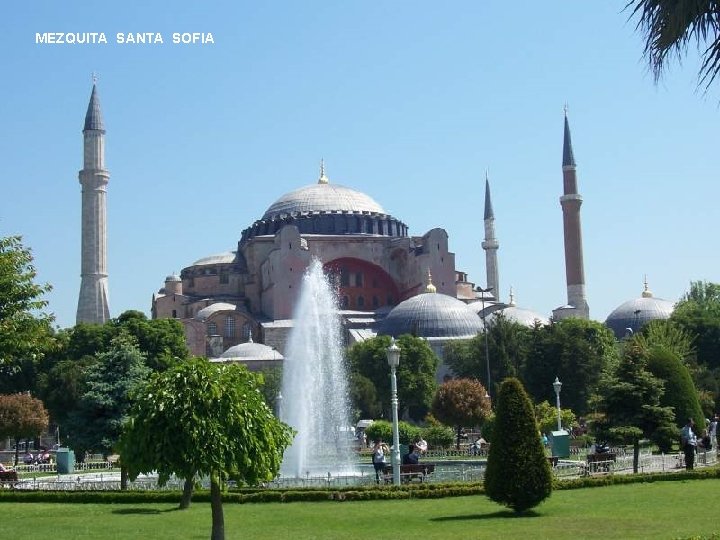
(322, 197)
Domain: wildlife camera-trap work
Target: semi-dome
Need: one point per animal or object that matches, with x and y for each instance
(322, 197)
(219, 258)
(432, 315)
(635, 313)
(210, 310)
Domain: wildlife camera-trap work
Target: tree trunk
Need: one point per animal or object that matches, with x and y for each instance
(457, 441)
(17, 450)
(218, 520)
(123, 477)
(636, 455)
(187, 493)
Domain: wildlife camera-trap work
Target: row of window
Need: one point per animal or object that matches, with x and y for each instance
(357, 279)
(360, 302)
(224, 277)
(228, 328)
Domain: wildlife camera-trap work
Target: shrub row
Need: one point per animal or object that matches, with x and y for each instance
(357, 493)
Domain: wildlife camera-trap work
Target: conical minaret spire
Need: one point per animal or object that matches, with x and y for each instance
(570, 202)
(93, 298)
(491, 245)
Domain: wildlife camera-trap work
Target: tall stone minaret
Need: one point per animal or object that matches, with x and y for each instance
(490, 245)
(93, 299)
(571, 201)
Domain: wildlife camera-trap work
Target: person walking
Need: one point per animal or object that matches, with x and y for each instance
(688, 441)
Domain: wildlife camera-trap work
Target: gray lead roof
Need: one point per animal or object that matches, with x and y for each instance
(488, 203)
(93, 117)
(568, 157)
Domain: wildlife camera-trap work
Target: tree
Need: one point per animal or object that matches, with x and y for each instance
(381, 429)
(628, 404)
(459, 403)
(698, 313)
(575, 350)
(546, 417)
(669, 26)
(508, 345)
(518, 474)
(363, 395)
(25, 331)
(21, 417)
(415, 374)
(103, 407)
(679, 392)
(203, 419)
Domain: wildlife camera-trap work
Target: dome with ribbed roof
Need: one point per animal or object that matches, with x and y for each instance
(219, 258)
(251, 351)
(432, 315)
(635, 313)
(210, 310)
(322, 197)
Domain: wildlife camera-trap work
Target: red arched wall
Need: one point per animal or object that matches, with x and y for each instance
(362, 285)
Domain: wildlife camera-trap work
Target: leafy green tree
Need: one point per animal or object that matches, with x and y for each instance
(628, 404)
(518, 474)
(679, 392)
(698, 313)
(546, 417)
(669, 27)
(460, 403)
(103, 407)
(415, 374)
(63, 385)
(364, 397)
(438, 436)
(21, 417)
(381, 429)
(575, 350)
(25, 331)
(508, 346)
(270, 383)
(204, 419)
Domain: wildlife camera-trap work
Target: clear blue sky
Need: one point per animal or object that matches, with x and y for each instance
(407, 101)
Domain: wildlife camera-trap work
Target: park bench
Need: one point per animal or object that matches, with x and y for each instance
(420, 471)
(600, 463)
(8, 478)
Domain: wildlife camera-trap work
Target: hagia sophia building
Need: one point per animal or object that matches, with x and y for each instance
(237, 306)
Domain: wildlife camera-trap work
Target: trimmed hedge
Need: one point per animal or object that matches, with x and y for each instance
(357, 493)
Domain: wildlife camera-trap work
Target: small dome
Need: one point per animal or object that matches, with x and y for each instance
(634, 314)
(220, 258)
(210, 310)
(526, 317)
(432, 315)
(324, 197)
(172, 278)
(252, 351)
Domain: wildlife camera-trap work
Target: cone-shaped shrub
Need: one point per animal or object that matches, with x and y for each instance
(518, 472)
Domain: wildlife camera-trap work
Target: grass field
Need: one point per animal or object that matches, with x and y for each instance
(655, 510)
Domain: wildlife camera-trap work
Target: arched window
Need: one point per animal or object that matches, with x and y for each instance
(212, 329)
(360, 301)
(229, 327)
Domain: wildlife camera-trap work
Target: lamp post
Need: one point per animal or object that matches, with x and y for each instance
(557, 385)
(487, 352)
(393, 358)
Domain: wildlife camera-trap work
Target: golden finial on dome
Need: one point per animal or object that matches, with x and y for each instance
(323, 179)
(512, 297)
(647, 293)
(429, 287)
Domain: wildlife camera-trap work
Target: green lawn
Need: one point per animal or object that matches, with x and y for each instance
(658, 510)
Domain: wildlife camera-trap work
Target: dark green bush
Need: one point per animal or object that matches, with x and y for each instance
(438, 436)
(518, 474)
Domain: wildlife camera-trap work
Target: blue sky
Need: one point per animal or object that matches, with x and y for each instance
(408, 102)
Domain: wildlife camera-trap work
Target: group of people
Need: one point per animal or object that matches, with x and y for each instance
(690, 442)
(380, 451)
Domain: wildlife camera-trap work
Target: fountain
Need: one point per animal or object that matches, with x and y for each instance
(315, 398)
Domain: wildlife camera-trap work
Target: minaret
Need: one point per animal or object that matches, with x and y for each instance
(490, 245)
(571, 201)
(93, 299)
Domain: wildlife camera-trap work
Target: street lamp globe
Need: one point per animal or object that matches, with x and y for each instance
(393, 354)
(557, 385)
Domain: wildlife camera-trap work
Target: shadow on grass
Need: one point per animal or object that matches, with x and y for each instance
(140, 511)
(501, 514)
